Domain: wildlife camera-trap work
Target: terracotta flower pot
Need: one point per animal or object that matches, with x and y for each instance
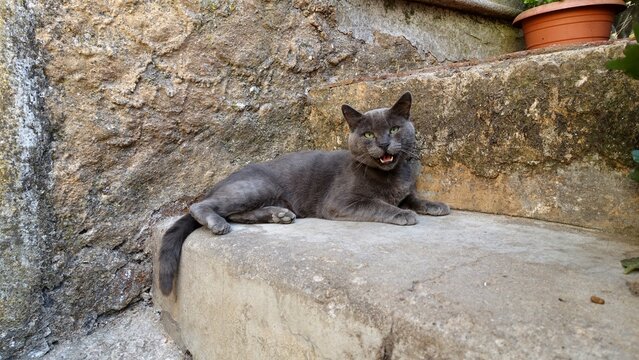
(568, 22)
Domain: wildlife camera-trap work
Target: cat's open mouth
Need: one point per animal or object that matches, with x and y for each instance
(386, 159)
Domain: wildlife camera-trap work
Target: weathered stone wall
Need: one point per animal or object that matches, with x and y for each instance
(545, 136)
(145, 105)
(25, 222)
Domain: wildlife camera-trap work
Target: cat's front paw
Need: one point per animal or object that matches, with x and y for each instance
(284, 216)
(437, 209)
(405, 217)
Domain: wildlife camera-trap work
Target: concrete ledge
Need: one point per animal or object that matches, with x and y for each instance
(546, 136)
(463, 286)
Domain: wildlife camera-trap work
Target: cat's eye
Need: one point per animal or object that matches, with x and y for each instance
(394, 130)
(369, 135)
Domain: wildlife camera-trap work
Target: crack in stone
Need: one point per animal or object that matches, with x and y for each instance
(388, 343)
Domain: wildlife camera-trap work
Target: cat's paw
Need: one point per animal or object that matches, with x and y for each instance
(437, 209)
(405, 217)
(283, 216)
(219, 227)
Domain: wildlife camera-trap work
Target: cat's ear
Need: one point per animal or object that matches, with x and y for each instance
(352, 116)
(402, 106)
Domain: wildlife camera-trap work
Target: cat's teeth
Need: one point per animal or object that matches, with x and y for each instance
(386, 159)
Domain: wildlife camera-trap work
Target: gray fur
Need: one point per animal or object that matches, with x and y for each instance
(339, 185)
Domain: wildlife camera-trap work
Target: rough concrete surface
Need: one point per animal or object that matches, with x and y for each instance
(545, 136)
(467, 285)
(135, 333)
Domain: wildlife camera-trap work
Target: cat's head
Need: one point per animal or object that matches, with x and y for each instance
(381, 138)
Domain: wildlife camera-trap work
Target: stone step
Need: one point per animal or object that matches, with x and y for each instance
(544, 135)
(467, 285)
(439, 30)
(506, 9)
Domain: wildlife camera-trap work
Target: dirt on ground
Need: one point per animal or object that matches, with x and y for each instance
(135, 333)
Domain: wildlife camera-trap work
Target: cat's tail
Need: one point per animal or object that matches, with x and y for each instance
(171, 250)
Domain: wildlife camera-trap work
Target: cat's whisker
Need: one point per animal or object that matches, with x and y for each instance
(410, 153)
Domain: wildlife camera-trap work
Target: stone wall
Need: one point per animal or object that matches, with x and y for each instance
(25, 221)
(117, 113)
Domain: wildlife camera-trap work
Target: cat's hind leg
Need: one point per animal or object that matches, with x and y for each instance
(236, 195)
(266, 214)
(205, 215)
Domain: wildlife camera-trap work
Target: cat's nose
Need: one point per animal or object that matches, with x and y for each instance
(384, 145)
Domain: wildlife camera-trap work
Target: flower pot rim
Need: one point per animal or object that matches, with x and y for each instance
(565, 4)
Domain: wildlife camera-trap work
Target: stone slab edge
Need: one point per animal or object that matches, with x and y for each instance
(506, 9)
(331, 290)
(276, 322)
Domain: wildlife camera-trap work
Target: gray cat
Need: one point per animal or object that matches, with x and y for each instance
(374, 181)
